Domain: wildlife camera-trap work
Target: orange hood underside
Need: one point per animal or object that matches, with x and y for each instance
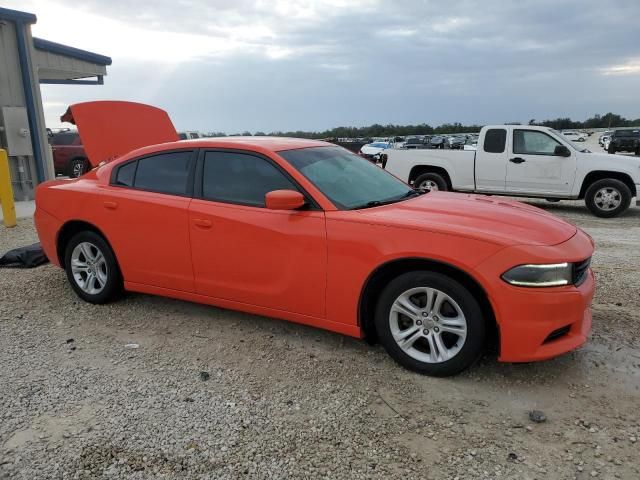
(109, 129)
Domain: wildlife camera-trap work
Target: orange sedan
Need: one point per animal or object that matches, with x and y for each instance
(308, 232)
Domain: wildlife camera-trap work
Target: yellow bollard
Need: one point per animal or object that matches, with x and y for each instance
(6, 192)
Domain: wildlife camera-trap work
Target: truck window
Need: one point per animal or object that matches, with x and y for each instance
(533, 142)
(494, 140)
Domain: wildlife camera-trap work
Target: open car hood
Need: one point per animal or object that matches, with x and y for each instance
(109, 129)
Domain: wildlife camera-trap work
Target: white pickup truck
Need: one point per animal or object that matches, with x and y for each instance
(524, 161)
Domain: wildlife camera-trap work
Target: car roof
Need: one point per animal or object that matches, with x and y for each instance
(275, 144)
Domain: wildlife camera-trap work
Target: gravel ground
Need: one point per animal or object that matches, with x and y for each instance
(211, 393)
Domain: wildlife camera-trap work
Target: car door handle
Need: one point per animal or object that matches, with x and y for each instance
(202, 223)
(110, 205)
(517, 160)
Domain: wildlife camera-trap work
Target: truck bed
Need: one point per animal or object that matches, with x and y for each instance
(459, 164)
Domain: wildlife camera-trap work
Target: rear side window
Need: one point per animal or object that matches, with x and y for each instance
(495, 140)
(164, 173)
(241, 178)
(126, 174)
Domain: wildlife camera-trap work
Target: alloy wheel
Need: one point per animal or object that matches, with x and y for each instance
(89, 268)
(77, 169)
(428, 325)
(428, 185)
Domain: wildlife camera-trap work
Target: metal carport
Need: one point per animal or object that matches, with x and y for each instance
(25, 63)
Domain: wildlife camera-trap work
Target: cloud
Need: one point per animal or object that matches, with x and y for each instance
(301, 64)
(632, 67)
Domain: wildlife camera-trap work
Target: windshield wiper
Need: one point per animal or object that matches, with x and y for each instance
(377, 203)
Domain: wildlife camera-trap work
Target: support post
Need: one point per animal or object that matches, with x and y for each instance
(6, 192)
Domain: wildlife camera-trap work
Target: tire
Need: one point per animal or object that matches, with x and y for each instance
(90, 253)
(430, 181)
(607, 198)
(429, 349)
(611, 149)
(77, 167)
(552, 200)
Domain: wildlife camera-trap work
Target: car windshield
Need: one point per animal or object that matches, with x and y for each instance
(348, 180)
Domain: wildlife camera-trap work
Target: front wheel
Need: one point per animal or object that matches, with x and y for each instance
(430, 323)
(92, 269)
(430, 181)
(611, 149)
(607, 198)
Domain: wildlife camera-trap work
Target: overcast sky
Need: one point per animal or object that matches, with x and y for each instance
(272, 65)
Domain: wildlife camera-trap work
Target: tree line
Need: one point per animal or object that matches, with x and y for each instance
(607, 120)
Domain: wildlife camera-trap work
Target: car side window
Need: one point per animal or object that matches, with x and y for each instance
(163, 173)
(64, 138)
(533, 142)
(126, 174)
(495, 140)
(241, 178)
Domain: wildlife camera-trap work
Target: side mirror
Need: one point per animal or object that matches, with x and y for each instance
(561, 151)
(284, 200)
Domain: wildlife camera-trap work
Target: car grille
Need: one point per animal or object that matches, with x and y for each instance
(580, 271)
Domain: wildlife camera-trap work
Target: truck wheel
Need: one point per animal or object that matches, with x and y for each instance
(430, 181)
(429, 323)
(607, 198)
(77, 167)
(611, 149)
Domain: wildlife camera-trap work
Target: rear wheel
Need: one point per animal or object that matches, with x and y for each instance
(607, 198)
(92, 269)
(430, 323)
(78, 167)
(430, 181)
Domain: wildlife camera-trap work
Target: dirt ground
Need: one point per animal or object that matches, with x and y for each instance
(211, 393)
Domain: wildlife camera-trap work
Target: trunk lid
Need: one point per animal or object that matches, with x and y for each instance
(109, 129)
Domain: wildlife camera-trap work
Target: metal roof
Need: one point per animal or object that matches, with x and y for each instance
(72, 52)
(17, 16)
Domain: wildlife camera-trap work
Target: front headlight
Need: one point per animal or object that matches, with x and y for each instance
(554, 275)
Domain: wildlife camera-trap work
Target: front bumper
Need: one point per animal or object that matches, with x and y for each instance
(541, 323)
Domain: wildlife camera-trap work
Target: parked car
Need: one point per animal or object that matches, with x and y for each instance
(306, 231)
(189, 135)
(455, 142)
(372, 151)
(414, 142)
(69, 157)
(604, 136)
(625, 140)
(526, 161)
(437, 141)
(471, 144)
(575, 136)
